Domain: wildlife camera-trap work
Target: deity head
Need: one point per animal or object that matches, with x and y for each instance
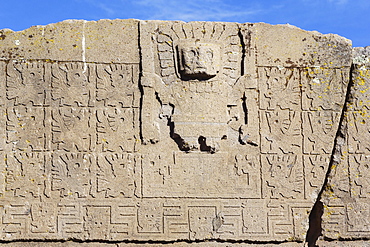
(198, 60)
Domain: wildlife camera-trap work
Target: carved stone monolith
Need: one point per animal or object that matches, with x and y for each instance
(132, 130)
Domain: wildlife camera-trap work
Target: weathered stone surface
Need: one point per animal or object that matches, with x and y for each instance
(343, 243)
(320, 243)
(346, 197)
(60, 244)
(289, 46)
(179, 244)
(151, 130)
(74, 40)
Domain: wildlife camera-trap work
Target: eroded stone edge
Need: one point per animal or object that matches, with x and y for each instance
(332, 187)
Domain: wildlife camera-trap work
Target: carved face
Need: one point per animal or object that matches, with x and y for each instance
(33, 76)
(198, 60)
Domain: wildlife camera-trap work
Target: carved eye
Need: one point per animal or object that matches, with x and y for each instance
(192, 54)
(209, 55)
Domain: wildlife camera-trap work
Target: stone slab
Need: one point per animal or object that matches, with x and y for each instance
(130, 130)
(346, 197)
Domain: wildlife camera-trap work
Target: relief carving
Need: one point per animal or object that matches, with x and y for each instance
(44, 218)
(359, 170)
(198, 60)
(25, 174)
(166, 131)
(71, 85)
(71, 174)
(284, 176)
(116, 174)
(194, 87)
(26, 84)
(70, 129)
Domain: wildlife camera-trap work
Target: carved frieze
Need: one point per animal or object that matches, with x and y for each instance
(171, 130)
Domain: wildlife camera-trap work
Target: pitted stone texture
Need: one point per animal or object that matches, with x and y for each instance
(215, 244)
(178, 244)
(289, 46)
(320, 243)
(346, 198)
(74, 40)
(353, 243)
(60, 244)
(143, 131)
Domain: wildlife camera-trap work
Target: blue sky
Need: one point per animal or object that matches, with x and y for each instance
(348, 18)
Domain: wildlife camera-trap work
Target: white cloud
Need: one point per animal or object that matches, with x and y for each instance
(194, 10)
(185, 10)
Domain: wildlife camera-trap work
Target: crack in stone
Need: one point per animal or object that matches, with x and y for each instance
(315, 217)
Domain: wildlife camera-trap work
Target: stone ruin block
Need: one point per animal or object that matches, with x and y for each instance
(132, 130)
(346, 211)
